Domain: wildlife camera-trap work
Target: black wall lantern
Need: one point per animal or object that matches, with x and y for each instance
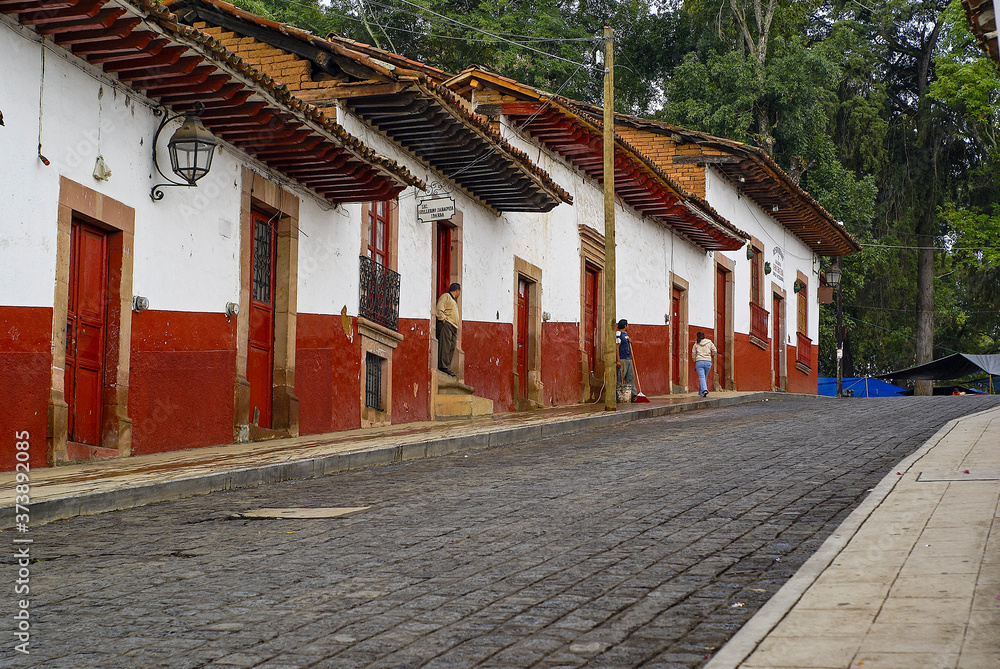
(191, 149)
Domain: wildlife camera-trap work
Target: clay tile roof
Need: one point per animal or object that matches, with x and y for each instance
(760, 178)
(420, 115)
(142, 44)
(564, 127)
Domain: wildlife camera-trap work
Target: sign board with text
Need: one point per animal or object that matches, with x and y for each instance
(778, 264)
(435, 209)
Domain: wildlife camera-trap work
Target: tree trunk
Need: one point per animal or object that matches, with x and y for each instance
(925, 316)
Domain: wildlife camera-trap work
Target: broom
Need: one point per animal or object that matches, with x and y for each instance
(640, 398)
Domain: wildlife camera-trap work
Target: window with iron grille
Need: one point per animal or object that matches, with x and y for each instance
(373, 381)
(263, 254)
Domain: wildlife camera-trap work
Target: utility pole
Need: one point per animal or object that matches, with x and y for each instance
(610, 359)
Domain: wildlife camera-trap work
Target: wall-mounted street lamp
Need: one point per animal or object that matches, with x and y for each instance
(833, 275)
(191, 148)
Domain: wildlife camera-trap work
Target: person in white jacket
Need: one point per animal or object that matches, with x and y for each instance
(703, 353)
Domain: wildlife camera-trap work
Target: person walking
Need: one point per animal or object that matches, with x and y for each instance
(447, 327)
(626, 372)
(703, 353)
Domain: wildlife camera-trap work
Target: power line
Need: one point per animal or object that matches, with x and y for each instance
(342, 15)
(484, 32)
(910, 311)
(931, 248)
(897, 332)
(498, 35)
(524, 125)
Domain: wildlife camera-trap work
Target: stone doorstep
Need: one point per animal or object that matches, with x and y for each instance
(461, 406)
(144, 489)
(449, 385)
(76, 452)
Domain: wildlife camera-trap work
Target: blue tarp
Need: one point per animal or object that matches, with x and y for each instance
(868, 387)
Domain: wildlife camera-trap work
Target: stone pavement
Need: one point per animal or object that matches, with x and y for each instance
(649, 544)
(910, 579)
(106, 485)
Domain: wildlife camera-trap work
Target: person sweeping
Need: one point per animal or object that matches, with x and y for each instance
(626, 373)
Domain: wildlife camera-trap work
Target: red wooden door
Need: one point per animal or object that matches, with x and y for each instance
(260, 351)
(444, 258)
(86, 325)
(522, 338)
(675, 335)
(778, 312)
(720, 325)
(590, 284)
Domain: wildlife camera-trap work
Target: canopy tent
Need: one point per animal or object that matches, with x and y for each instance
(860, 387)
(955, 366)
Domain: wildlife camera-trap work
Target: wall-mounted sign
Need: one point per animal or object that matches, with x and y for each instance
(777, 263)
(435, 209)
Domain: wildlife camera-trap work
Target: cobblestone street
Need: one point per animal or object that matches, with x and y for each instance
(647, 545)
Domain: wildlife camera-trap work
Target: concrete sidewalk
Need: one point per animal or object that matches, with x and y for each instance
(107, 485)
(910, 579)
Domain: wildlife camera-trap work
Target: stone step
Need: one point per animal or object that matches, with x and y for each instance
(450, 385)
(448, 407)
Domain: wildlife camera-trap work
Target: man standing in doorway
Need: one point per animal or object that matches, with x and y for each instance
(447, 327)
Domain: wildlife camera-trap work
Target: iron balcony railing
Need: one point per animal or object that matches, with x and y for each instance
(758, 321)
(804, 352)
(379, 300)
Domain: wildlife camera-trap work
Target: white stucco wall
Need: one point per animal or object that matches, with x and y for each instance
(186, 245)
(645, 252)
(746, 215)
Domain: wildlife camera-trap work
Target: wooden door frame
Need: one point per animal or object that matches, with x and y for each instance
(729, 336)
(262, 195)
(683, 358)
(78, 201)
(458, 363)
(532, 274)
(591, 253)
(257, 217)
(781, 315)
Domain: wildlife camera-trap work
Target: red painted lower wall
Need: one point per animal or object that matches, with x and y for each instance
(651, 357)
(752, 365)
(799, 381)
(327, 374)
(25, 378)
(560, 363)
(411, 372)
(182, 380)
(489, 361)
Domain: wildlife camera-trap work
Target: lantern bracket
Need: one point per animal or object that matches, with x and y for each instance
(155, 192)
